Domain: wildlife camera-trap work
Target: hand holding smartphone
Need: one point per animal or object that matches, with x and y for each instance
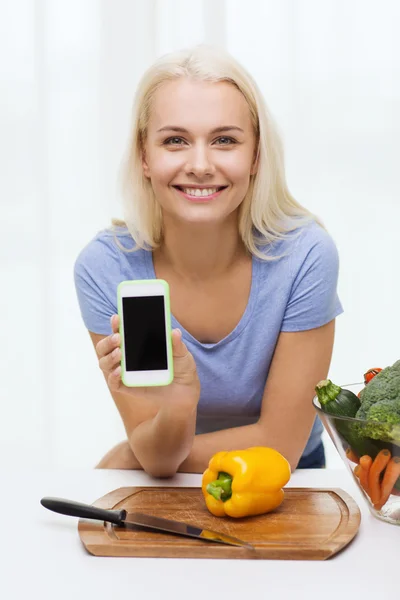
(145, 330)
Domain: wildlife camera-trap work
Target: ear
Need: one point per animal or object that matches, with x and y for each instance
(145, 166)
(254, 166)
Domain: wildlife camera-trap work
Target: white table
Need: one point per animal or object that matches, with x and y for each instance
(42, 555)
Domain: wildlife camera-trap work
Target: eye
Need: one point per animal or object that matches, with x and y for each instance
(173, 141)
(225, 141)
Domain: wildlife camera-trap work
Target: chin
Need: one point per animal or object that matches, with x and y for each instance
(203, 217)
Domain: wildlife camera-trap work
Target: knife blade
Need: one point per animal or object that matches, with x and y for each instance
(124, 519)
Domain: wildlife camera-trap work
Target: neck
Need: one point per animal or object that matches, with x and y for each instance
(200, 252)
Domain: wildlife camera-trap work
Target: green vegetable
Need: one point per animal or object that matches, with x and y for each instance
(380, 405)
(384, 420)
(339, 402)
(336, 400)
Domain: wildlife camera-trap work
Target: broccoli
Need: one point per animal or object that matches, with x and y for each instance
(380, 405)
(381, 418)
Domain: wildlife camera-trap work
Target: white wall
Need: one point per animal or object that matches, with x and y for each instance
(330, 72)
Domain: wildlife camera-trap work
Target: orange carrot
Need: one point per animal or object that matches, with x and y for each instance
(357, 470)
(365, 465)
(392, 472)
(379, 464)
(366, 462)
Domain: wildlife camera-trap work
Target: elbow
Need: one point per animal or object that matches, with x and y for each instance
(160, 471)
(154, 465)
(293, 461)
(159, 460)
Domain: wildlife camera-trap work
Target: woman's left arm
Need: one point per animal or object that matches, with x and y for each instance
(301, 359)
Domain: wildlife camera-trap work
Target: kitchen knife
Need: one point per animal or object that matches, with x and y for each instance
(124, 519)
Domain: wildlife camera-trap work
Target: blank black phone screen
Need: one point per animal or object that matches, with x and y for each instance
(144, 333)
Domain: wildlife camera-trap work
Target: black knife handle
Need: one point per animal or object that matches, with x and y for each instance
(84, 511)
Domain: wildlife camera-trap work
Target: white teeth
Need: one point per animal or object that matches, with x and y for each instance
(199, 192)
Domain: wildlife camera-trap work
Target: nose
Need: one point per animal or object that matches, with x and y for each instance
(199, 162)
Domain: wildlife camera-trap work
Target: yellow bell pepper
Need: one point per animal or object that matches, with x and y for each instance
(248, 482)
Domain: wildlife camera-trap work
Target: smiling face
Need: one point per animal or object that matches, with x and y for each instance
(199, 149)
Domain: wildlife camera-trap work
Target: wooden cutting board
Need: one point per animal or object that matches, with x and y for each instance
(310, 524)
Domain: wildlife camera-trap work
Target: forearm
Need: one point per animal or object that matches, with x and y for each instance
(201, 449)
(162, 443)
(205, 445)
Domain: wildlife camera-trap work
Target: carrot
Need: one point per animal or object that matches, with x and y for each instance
(351, 455)
(379, 464)
(365, 465)
(366, 462)
(392, 472)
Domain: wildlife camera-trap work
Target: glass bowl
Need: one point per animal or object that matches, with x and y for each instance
(373, 474)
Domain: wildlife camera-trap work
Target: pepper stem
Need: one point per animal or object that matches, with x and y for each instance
(221, 488)
(327, 391)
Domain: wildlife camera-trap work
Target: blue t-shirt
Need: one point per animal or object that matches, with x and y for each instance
(293, 293)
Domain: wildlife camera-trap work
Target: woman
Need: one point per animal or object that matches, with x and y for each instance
(252, 275)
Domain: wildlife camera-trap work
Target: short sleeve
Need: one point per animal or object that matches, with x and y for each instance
(313, 300)
(95, 293)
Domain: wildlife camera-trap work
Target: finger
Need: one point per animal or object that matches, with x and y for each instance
(179, 349)
(114, 379)
(108, 344)
(110, 361)
(115, 323)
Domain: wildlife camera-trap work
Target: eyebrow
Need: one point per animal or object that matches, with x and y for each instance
(216, 130)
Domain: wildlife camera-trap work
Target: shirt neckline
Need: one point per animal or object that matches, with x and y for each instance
(244, 320)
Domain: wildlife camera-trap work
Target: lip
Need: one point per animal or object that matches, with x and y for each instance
(200, 198)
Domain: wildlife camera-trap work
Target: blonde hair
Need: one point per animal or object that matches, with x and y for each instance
(267, 212)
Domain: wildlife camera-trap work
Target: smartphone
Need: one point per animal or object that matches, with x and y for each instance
(145, 330)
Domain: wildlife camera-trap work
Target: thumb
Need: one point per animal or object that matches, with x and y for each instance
(179, 349)
(185, 371)
(115, 323)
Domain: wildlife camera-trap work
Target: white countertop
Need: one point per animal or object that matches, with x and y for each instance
(43, 557)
